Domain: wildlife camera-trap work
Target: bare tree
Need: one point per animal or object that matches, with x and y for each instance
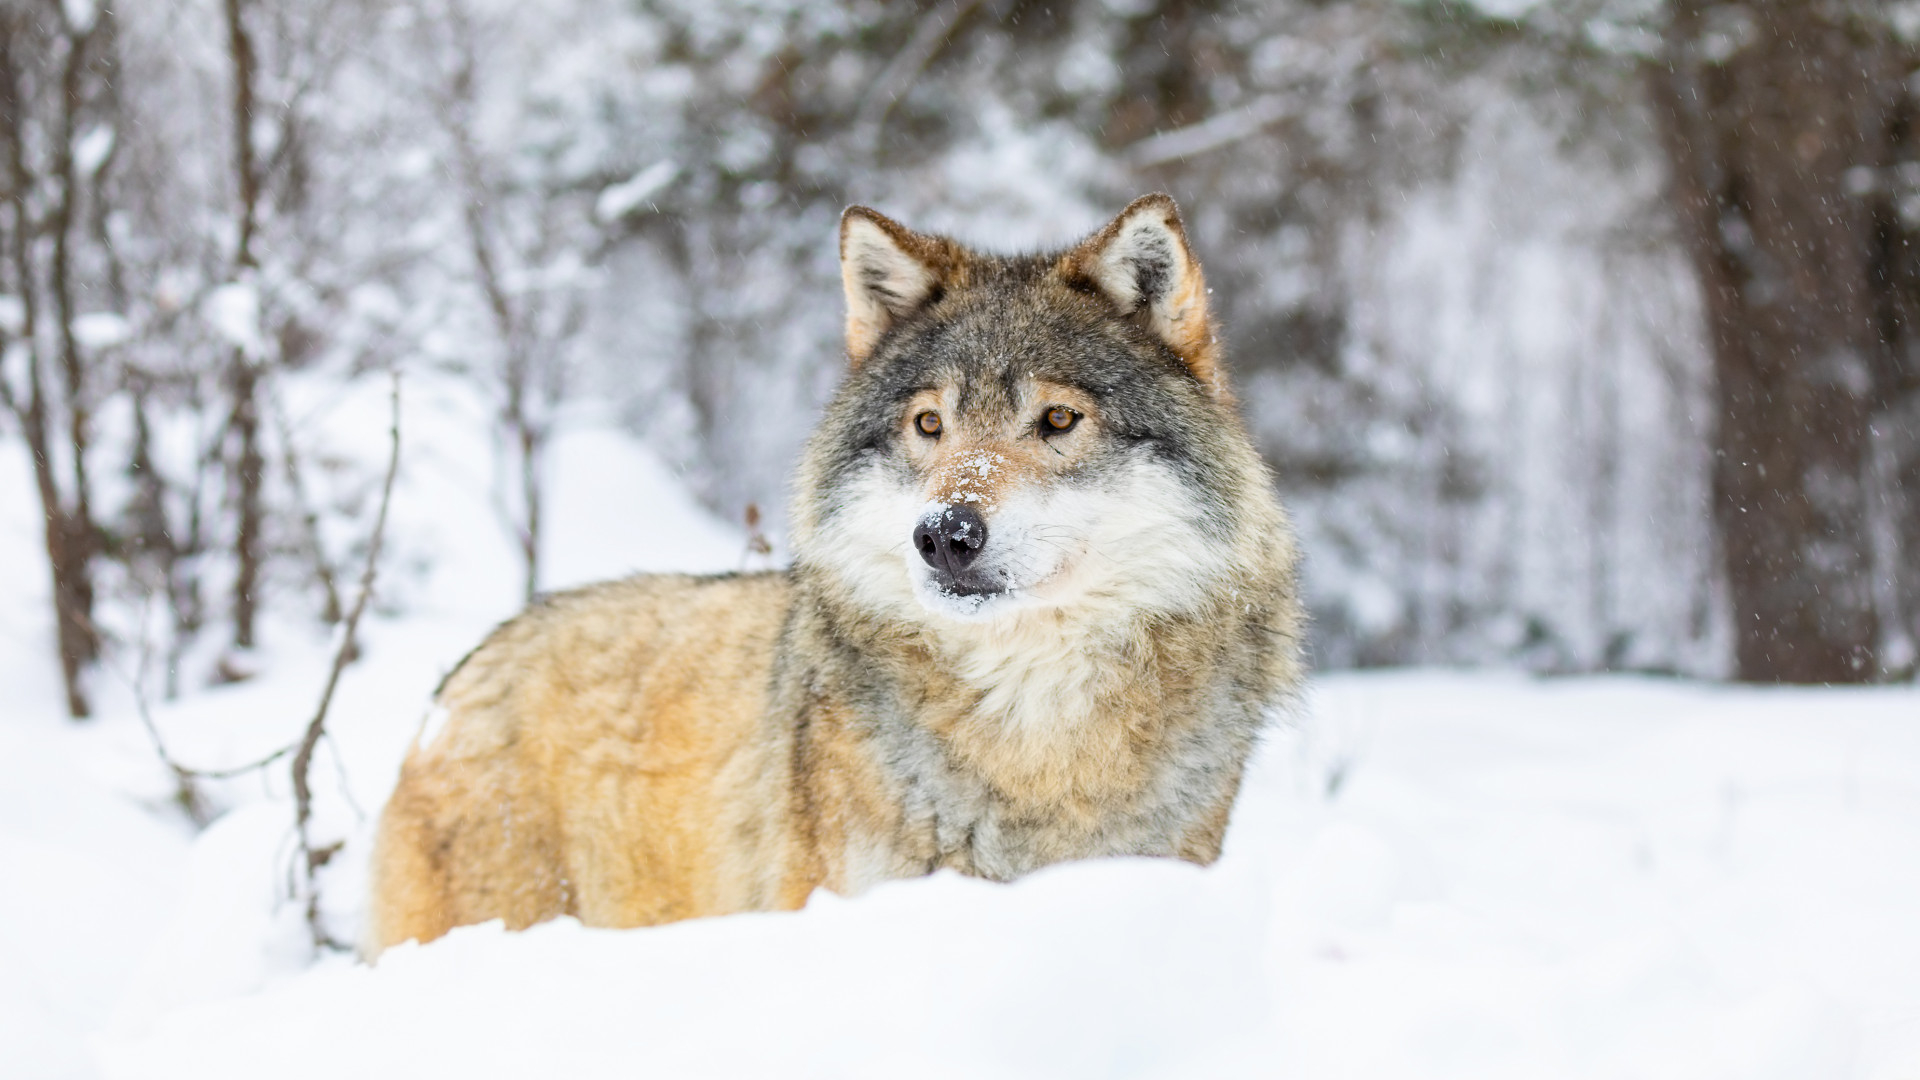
(243, 371)
(51, 64)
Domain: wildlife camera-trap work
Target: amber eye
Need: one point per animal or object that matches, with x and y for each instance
(1060, 418)
(928, 423)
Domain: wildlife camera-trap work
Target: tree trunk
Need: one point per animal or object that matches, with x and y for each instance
(243, 377)
(1895, 274)
(1768, 146)
(72, 538)
(244, 423)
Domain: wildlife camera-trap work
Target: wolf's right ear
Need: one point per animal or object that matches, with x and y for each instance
(889, 272)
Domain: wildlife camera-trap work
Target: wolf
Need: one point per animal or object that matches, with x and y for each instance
(1042, 601)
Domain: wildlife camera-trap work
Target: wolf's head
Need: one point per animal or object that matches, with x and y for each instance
(1033, 433)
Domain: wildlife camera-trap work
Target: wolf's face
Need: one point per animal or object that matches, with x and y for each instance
(993, 469)
(1027, 433)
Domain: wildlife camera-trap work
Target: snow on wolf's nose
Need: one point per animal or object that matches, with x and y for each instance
(950, 538)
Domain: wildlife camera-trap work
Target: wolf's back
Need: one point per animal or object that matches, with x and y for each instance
(606, 754)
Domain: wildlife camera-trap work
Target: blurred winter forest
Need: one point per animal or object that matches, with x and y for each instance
(1579, 333)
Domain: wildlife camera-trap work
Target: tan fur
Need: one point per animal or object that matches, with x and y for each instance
(604, 760)
(667, 747)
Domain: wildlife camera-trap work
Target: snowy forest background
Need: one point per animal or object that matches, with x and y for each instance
(1583, 336)
(1513, 288)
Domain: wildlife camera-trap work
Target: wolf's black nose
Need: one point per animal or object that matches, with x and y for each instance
(951, 539)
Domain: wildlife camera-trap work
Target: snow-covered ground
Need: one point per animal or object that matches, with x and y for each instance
(1429, 874)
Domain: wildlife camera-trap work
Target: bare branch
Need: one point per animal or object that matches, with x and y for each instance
(309, 517)
(186, 792)
(1214, 133)
(314, 858)
(898, 77)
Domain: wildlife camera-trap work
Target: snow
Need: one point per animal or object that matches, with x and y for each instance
(610, 499)
(73, 849)
(1429, 873)
(101, 330)
(563, 1000)
(1505, 9)
(1597, 877)
(619, 200)
(91, 150)
(1905, 17)
(233, 310)
(84, 867)
(80, 14)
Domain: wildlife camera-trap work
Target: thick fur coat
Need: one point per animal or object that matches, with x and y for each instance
(1042, 602)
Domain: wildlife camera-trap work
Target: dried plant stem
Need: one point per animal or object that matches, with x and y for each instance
(314, 858)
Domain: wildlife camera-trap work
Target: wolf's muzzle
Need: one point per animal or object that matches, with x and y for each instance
(950, 539)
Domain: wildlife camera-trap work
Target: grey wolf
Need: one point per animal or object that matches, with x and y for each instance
(1042, 601)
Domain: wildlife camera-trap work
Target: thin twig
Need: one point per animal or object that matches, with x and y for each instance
(340, 772)
(241, 770)
(309, 517)
(342, 654)
(186, 792)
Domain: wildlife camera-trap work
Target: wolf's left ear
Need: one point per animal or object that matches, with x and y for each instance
(1141, 263)
(889, 272)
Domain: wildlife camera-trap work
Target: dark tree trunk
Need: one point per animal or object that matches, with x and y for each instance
(240, 50)
(1895, 274)
(27, 41)
(1770, 148)
(248, 463)
(243, 376)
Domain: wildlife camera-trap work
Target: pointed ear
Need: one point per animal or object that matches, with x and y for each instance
(889, 272)
(1141, 263)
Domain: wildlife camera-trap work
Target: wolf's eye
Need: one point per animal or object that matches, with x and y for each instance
(928, 423)
(1057, 419)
